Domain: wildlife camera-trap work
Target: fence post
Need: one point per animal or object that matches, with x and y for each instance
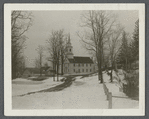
(104, 88)
(110, 100)
(107, 93)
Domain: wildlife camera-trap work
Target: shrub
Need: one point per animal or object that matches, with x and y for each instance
(40, 78)
(131, 88)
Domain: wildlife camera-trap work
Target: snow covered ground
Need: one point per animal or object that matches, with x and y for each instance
(22, 86)
(119, 99)
(84, 93)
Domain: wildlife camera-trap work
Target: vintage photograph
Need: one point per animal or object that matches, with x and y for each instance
(75, 59)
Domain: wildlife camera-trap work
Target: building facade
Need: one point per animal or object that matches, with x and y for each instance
(75, 65)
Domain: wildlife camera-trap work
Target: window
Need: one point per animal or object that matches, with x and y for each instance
(68, 70)
(90, 70)
(79, 70)
(74, 65)
(70, 50)
(79, 65)
(86, 70)
(73, 70)
(90, 64)
(86, 64)
(82, 65)
(82, 70)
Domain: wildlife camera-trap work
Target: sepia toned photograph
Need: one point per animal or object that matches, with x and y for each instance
(75, 59)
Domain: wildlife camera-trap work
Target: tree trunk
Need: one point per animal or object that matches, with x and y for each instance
(99, 63)
(62, 65)
(54, 71)
(99, 76)
(111, 75)
(57, 71)
(40, 65)
(101, 68)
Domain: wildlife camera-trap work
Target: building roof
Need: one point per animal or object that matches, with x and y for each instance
(81, 60)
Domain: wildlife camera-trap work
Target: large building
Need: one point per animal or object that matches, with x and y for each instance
(74, 65)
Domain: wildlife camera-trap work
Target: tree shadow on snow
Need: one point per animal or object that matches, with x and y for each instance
(67, 83)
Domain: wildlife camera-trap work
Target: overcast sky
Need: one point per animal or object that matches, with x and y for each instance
(46, 21)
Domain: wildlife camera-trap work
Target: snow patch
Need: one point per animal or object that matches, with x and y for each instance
(23, 86)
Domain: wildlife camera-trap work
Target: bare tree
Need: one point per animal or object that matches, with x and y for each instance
(56, 50)
(52, 50)
(40, 58)
(113, 47)
(20, 23)
(63, 47)
(100, 25)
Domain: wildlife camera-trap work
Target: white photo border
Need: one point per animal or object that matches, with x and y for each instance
(8, 111)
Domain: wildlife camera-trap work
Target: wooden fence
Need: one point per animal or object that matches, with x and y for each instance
(109, 96)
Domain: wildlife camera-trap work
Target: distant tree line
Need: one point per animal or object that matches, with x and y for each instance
(129, 52)
(20, 23)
